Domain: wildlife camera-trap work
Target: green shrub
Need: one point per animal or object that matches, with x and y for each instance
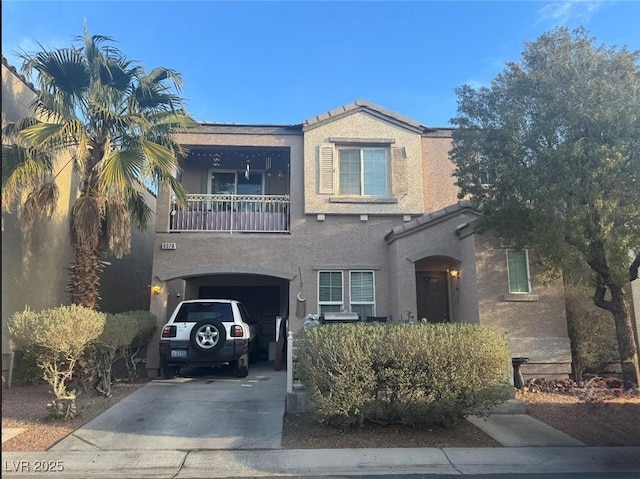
(26, 369)
(402, 373)
(592, 332)
(144, 325)
(123, 336)
(57, 338)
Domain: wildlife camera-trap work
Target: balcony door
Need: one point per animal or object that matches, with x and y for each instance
(236, 183)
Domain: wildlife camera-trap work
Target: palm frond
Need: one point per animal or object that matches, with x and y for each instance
(87, 215)
(161, 74)
(12, 131)
(141, 213)
(160, 157)
(175, 185)
(40, 203)
(23, 169)
(121, 168)
(60, 72)
(41, 133)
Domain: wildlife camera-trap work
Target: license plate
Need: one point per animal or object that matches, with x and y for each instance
(178, 353)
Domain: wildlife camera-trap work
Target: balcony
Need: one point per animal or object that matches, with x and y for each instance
(231, 213)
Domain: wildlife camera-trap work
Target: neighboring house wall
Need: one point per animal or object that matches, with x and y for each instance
(126, 282)
(34, 262)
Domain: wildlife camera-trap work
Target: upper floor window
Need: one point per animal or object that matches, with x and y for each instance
(518, 271)
(362, 171)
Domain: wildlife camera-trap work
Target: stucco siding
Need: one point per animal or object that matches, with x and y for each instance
(536, 324)
(439, 185)
(362, 125)
(33, 262)
(438, 243)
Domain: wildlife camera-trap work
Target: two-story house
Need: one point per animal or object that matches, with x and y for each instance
(355, 209)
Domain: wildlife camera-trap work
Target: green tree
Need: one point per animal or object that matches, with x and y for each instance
(116, 122)
(550, 154)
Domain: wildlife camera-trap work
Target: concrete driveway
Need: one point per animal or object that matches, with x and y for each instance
(202, 409)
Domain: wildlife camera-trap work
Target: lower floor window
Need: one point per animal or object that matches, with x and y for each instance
(329, 291)
(361, 292)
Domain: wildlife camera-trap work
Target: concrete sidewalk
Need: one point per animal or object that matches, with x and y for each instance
(311, 462)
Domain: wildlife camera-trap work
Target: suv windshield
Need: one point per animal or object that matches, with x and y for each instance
(194, 312)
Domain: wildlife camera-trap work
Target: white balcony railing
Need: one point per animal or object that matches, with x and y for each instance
(230, 213)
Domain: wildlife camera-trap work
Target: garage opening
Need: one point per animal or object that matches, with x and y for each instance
(265, 298)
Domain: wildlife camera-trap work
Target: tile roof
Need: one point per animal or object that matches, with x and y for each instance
(20, 76)
(430, 219)
(363, 105)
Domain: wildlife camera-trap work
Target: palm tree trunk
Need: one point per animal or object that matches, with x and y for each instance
(83, 287)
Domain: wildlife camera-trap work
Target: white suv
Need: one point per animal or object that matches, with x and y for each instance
(207, 332)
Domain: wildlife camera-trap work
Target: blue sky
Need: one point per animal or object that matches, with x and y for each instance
(282, 62)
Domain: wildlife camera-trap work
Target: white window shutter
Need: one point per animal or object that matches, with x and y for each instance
(325, 169)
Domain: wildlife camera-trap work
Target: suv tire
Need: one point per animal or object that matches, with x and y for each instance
(208, 336)
(241, 367)
(170, 372)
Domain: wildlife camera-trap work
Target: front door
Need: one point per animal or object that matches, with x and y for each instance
(433, 296)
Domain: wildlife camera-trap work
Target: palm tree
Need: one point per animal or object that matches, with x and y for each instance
(116, 122)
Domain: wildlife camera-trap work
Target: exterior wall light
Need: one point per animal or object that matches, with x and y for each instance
(454, 273)
(156, 290)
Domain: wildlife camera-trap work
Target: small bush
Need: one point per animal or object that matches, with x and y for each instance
(57, 338)
(402, 373)
(26, 369)
(145, 325)
(123, 336)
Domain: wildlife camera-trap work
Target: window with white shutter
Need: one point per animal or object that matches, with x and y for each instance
(325, 169)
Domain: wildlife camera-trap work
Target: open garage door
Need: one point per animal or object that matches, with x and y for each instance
(262, 303)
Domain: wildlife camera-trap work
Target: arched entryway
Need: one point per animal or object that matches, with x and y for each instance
(437, 289)
(265, 297)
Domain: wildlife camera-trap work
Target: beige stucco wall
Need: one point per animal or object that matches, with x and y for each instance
(363, 125)
(438, 181)
(33, 263)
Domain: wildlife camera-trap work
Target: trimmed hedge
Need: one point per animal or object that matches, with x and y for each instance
(406, 374)
(57, 338)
